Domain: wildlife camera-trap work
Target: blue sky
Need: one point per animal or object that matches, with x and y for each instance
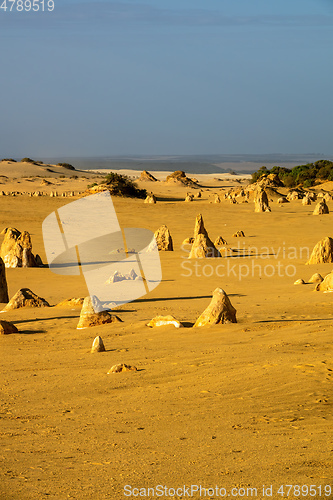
(167, 77)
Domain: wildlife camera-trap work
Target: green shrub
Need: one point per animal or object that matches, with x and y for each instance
(307, 175)
(8, 159)
(121, 185)
(28, 160)
(66, 165)
(288, 180)
(256, 175)
(323, 172)
(308, 183)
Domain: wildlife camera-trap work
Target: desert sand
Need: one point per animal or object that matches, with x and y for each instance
(237, 405)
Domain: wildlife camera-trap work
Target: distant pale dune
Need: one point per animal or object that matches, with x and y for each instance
(161, 175)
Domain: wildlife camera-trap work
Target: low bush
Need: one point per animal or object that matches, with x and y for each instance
(306, 175)
(66, 165)
(121, 185)
(28, 160)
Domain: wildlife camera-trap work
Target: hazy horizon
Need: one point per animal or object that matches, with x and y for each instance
(196, 164)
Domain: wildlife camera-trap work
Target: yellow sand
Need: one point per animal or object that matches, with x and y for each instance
(237, 405)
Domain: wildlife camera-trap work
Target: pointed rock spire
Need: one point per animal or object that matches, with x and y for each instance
(219, 310)
(261, 201)
(316, 278)
(3, 283)
(322, 252)
(98, 345)
(25, 298)
(6, 327)
(163, 239)
(89, 317)
(202, 245)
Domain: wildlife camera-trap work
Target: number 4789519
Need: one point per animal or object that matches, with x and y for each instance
(304, 490)
(27, 5)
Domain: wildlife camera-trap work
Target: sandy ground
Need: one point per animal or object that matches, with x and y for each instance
(235, 406)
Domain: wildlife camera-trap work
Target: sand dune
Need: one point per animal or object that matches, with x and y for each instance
(10, 169)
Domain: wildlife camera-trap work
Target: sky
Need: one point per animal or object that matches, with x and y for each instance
(160, 77)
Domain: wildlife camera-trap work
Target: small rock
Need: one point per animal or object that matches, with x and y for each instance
(163, 321)
(25, 298)
(299, 282)
(131, 275)
(322, 252)
(151, 198)
(306, 200)
(179, 177)
(294, 195)
(98, 345)
(163, 239)
(122, 368)
(89, 317)
(219, 242)
(316, 278)
(147, 176)
(117, 276)
(326, 285)
(7, 327)
(73, 302)
(321, 208)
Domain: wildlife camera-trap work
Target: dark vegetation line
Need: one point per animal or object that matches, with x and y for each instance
(308, 175)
